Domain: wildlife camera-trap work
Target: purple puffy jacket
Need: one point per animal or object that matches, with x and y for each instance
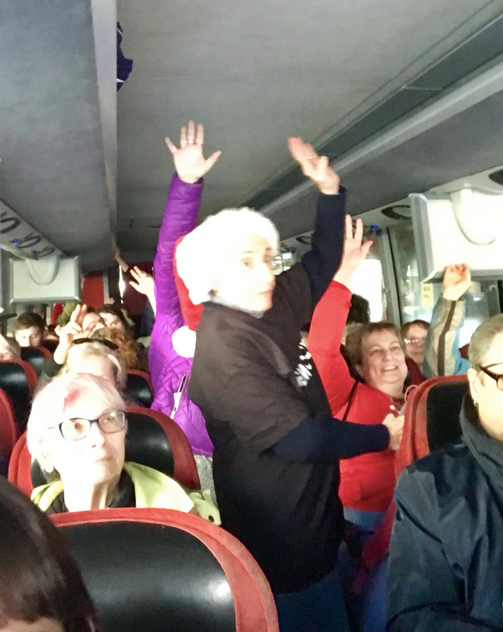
(169, 369)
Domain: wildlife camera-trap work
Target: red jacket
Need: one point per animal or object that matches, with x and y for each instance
(367, 481)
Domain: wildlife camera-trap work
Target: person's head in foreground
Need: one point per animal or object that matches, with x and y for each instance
(9, 349)
(486, 375)
(29, 329)
(41, 588)
(228, 259)
(377, 352)
(414, 335)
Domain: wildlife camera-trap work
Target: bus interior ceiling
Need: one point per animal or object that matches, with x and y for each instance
(402, 96)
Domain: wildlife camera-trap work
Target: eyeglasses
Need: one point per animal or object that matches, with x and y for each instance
(415, 341)
(103, 341)
(78, 428)
(495, 376)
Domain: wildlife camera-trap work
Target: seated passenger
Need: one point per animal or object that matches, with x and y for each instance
(377, 353)
(50, 333)
(9, 349)
(41, 587)
(127, 349)
(91, 322)
(114, 318)
(77, 432)
(29, 329)
(446, 556)
(442, 355)
(414, 336)
(276, 444)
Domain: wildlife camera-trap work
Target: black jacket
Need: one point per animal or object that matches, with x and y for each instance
(446, 558)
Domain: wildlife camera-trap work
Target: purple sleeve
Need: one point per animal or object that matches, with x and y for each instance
(180, 217)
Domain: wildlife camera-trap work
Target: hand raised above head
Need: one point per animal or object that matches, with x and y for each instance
(190, 163)
(457, 280)
(314, 167)
(143, 281)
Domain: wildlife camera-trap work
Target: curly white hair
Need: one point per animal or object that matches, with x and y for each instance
(200, 256)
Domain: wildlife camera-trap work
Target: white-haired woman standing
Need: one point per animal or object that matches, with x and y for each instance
(276, 445)
(77, 432)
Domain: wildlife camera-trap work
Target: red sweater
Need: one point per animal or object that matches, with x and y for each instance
(367, 481)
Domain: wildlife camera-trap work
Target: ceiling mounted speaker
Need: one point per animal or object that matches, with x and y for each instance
(479, 215)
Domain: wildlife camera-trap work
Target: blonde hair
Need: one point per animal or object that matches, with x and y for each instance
(482, 339)
(96, 349)
(200, 256)
(52, 404)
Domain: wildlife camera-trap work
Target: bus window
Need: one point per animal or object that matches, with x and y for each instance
(417, 300)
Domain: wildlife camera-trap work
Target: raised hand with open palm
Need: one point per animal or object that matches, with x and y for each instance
(190, 163)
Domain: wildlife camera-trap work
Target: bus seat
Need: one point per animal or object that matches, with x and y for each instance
(19, 473)
(50, 345)
(156, 440)
(8, 427)
(18, 379)
(152, 439)
(431, 423)
(415, 376)
(158, 569)
(139, 387)
(36, 356)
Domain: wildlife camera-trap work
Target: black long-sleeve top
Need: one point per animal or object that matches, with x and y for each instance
(256, 385)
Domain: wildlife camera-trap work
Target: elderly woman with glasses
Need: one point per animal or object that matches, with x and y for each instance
(446, 557)
(77, 433)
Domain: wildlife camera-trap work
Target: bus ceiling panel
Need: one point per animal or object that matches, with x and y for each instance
(466, 59)
(255, 73)
(468, 143)
(57, 134)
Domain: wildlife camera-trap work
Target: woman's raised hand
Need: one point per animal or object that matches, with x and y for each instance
(457, 280)
(143, 281)
(314, 167)
(354, 253)
(190, 163)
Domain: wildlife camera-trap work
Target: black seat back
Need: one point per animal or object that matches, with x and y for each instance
(14, 381)
(138, 387)
(35, 357)
(151, 577)
(146, 443)
(443, 408)
(50, 345)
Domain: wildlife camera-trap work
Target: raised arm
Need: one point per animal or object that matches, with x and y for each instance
(329, 321)
(442, 356)
(180, 214)
(324, 258)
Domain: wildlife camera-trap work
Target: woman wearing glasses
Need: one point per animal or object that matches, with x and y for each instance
(77, 432)
(446, 559)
